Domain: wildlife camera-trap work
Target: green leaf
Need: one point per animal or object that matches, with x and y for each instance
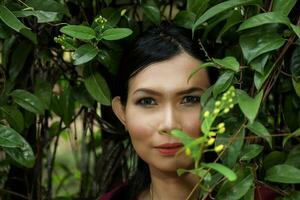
(49, 6)
(23, 154)
(283, 174)
(295, 62)
(234, 141)
(63, 105)
(283, 6)
(28, 101)
(296, 85)
(116, 33)
(293, 157)
(234, 19)
(197, 6)
(79, 31)
(152, 12)
(264, 18)
(248, 105)
(14, 117)
(259, 78)
(43, 90)
(112, 16)
(259, 129)
(259, 63)
(42, 16)
(223, 83)
(184, 138)
(221, 7)
(236, 190)
(18, 59)
(84, 54)
(82, 96)
(185, 19)
(10, 19)
(97, 86)
(9, 138)
(251, 151)
(296, 133)
(274, 158)
(225, 171)
(296, 29)
(228, 63)
(110, 59)
(200, 172)
(256, 43)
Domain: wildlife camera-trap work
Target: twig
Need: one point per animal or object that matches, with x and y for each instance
(13, 193)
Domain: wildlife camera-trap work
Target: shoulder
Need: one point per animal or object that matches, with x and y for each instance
(117, 193)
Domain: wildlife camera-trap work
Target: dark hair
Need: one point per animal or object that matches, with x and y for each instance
(157, 44)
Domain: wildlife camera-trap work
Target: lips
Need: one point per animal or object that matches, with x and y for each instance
(169, 148)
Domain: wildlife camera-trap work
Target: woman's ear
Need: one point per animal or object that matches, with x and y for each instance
(119, 109)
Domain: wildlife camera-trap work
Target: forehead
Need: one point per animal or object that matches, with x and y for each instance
(171, 74)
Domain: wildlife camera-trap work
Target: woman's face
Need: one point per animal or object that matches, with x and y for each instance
(160, 99)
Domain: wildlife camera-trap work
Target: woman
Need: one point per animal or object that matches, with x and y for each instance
(156, 98)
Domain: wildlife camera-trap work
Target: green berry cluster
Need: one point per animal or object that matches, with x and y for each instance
(101, 21)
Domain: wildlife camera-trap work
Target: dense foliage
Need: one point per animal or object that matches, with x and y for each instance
(58, 58)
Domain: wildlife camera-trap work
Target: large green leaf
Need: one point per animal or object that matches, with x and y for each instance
(296, 84)
(9, 138)
(10, 19)
(84, 54)
(14, 117)
(28, 101)
(236, 190)
(223, 83)
(110, 59)
(248, 105)
(257, 43)
(228, 62)
(260, 130)
(116, 33)
(258, 64)
(283, 174)
(185, 19)
(235, 18)
(63, 105)
(221, 7)
(49, 6)
(274, 158)
(43, 90)
(296, 133)
(42, 16)
(112, 16)
(250, 151)
(233, 141)
(264, 18)
(283, 6)
(293, 157)
(152, 12)
(23, 154)
(79, 31)
(197, 6)
(296, 29)
(225, 171)
(18, 59)
(97, 86)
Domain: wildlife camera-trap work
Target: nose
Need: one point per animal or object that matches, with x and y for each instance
(170, 120)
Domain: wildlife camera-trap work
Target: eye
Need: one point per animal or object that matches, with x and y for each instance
(190, 100)
(147, 101)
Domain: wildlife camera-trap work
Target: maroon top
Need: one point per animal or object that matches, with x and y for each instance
(261, 193)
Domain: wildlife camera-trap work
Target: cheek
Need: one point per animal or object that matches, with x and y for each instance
(191, 124)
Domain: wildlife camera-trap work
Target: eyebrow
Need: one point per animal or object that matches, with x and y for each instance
(182, 92)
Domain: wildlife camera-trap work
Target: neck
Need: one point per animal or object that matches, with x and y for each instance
(164, 185)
